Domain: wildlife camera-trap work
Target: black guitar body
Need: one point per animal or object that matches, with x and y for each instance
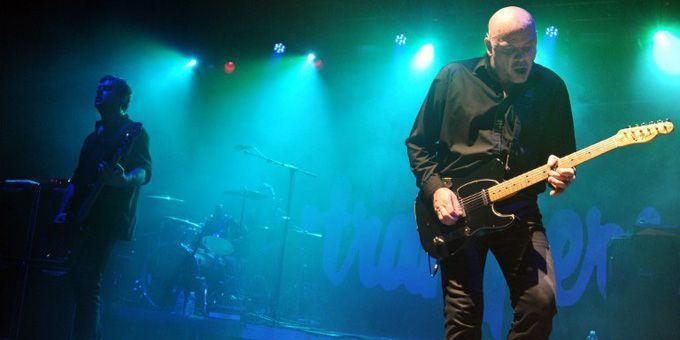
(440, 240)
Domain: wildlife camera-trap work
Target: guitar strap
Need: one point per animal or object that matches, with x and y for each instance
(508, 114)
(119, 137)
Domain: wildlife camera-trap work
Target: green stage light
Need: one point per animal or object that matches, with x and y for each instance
(666, 51)
(424, 57)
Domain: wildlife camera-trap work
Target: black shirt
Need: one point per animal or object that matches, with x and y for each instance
(454, 131)
(115, 207)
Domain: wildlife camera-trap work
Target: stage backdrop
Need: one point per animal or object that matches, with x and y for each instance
(352, 261)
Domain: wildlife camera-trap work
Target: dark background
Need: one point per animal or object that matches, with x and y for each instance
(345, 122)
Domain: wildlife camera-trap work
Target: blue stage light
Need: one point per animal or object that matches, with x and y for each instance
(551, 32)
(400, 40)
(192, 63)
(279, 48)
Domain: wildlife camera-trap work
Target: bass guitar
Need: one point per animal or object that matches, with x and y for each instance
(78, 202)
(85, 197)
(95, 188)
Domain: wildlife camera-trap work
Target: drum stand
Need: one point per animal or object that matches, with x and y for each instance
(292, 170)
(187, 282)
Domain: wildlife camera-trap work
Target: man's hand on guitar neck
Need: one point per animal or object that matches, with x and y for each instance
(446, 206)
(559, 178)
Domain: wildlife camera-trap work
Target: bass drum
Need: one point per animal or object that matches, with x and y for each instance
(217, 245)
(171, 269)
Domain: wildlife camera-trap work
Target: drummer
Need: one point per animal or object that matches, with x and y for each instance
(221, 224)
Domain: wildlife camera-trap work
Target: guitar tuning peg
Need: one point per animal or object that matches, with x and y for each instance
(651, 122)
(630, 126)
(643, 124)
(637, 125)
(658, 121)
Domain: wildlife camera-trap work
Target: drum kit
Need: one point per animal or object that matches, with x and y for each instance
(200, 268)
(202, 260)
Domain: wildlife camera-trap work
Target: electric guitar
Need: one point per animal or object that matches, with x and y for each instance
(478, 192)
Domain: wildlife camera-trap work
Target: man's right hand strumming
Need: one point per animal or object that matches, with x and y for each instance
(447, 206)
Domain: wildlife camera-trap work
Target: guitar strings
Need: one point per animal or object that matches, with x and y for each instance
(474, 201)
(536, 175)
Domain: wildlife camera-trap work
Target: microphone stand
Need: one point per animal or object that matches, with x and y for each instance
(292, 170)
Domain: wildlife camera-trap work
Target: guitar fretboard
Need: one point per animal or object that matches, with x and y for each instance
(510, 187)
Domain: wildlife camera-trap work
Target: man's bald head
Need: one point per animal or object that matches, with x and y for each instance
(511, 45)
(509, 20)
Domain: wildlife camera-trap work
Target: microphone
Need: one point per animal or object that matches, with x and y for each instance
(242, 147)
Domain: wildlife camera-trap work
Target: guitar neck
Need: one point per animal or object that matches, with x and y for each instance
(512, 186)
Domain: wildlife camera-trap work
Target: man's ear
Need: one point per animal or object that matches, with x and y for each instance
(121, 99)
(489, 46)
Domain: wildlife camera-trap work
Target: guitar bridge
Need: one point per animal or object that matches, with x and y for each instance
(485, 197)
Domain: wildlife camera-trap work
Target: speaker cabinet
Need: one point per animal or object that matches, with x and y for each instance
(35, 296)
(48, 238)
(18, 207)
(48, 306)
(12, 275)
(643, 289)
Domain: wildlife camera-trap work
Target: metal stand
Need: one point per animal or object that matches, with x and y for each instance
(292, 170)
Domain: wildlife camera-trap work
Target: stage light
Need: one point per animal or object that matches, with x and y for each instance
(400, 40)
(192, 63)
(424, 57)
(279, 48)
(662, 38)
(311, 57)
(666, 51)
(229, 67)
(551, 32)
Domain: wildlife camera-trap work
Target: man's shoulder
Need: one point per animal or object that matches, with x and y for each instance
(546, 75)
(133, 124)
(468, 64)
(454, 67)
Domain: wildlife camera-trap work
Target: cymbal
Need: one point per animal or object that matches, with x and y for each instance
(165, 198)
(307, 233)
(193, 224)
(245, 193)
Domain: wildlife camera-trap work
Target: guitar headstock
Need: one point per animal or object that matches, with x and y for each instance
(643, 133)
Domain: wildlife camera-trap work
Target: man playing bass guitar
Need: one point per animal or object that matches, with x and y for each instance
(100, 201)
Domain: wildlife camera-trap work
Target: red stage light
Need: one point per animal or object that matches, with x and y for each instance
(229, 67)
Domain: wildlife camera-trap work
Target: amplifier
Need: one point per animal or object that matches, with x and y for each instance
(18, 209)
(643, 288)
